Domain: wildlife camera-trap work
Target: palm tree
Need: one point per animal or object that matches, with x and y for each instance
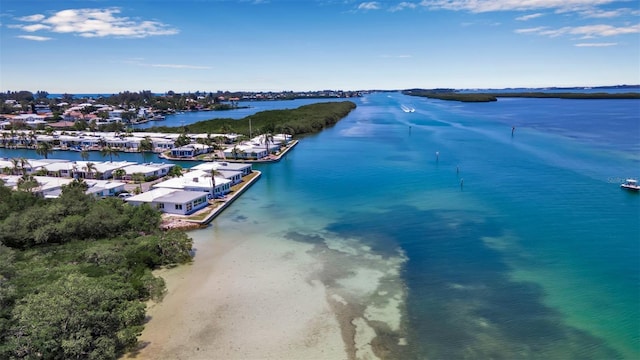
(89, 168)
(175, 171)
(13, 138)
(44, 148)
(27, 183)
(267, 138)
(214, 172)
(119, 173)
(16, 165)
(33, 138)
(146, 145)
(109, 151)
(84, 154)
(23, 138)
(23, 165)
(5, 138)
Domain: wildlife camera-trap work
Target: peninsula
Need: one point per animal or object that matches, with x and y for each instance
(454, 95)
(76, 262)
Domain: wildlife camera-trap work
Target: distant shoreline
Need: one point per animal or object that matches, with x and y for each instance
(493, 96)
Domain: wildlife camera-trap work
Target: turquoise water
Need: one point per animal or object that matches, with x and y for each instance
(509, 247)
(536, 255)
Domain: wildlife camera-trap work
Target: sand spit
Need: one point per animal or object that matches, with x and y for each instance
(279, 297)
(246, 299)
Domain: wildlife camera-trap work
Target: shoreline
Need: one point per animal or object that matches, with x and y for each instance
(256, 296)
(268, 159)
(193, 221)
(242, 299)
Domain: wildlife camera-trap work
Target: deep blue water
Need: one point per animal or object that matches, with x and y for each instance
(517, 247)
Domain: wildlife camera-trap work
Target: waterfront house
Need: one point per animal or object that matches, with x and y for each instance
(172, 201)
(161, 144)
(104, 188)
(197, 180)
(227, 170)
(245, 152)
(103, 169)
(51, 187)
(60, 169)
(148, 170)
(191, 150)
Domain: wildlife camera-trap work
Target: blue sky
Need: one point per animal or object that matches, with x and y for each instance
(302, 45)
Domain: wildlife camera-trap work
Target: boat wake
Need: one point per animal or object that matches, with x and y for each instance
(407, 109)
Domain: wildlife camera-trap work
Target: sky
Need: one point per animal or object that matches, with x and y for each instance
(79, 47)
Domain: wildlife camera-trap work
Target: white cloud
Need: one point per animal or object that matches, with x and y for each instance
(512, 5)
(32, 18)
(585, 32)
(403, 5)
(595, 44)
(372, 5)
(96, 23)
(34, 27)
(34, 38)
(529, 17)
(531, 30)
(180, 66)
(602, 14)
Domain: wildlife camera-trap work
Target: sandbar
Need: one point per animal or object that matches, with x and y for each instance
(243, 299)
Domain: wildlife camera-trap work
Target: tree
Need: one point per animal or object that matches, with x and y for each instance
(77, 317)
(267, 138)
(109, 151)
(214, 172)
(119, 173)
(84, 154)
(32, 138)
(235, 151)
(27, 183)
(5, 138)
(182, 140)
(226, 128)
(175, 171)
(146, 144)
(90, 168)
(20, 165)
(44, 148)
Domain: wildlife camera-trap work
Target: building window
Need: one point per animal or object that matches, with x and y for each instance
(178, 206)
(160, 206)
(189, 207)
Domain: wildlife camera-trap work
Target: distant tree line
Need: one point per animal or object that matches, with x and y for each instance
(306, 119)
(450, 94)
(75, 273)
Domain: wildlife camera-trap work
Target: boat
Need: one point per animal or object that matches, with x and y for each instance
(631, 184)
(407, 109)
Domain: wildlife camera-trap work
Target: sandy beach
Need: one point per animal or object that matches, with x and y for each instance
(255, 299)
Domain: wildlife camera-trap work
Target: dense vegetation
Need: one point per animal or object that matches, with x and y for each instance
(486, 97)
(75, 272)
(303, 120)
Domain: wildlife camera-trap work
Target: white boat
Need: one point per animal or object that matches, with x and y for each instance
(407, 109)
(631, 184)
